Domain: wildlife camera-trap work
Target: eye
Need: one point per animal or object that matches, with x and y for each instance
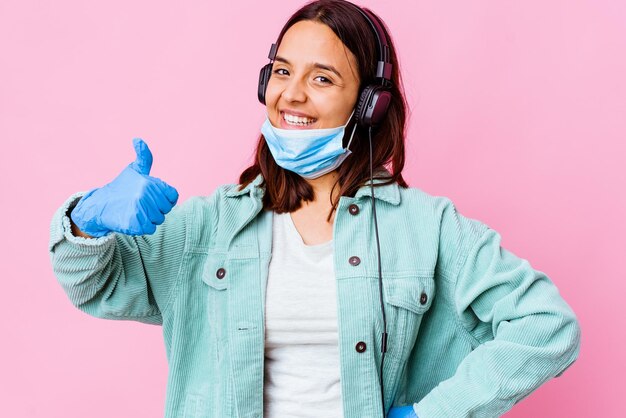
(279, 71)
(323, 79)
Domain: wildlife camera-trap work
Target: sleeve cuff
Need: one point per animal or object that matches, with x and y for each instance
(61, 227)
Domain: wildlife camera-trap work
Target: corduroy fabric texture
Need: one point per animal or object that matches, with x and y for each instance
(473, 328)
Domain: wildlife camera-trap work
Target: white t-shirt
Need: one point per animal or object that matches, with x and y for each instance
(302, 375)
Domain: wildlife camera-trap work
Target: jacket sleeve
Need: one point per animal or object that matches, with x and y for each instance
(119, 276)
(524, 332)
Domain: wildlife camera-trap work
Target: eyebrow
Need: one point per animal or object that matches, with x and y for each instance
(315, 64)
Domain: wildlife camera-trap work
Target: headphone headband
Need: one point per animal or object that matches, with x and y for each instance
(384, 66)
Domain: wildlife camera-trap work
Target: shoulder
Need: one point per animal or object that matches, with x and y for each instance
(455, 232)
(442, 207)
(224, 200)
(414, 196)
(419, 203)
(210, 202)
(199, 217)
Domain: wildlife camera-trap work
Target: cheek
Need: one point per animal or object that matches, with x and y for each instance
(352, 97)
(334, 108)
(272, 93)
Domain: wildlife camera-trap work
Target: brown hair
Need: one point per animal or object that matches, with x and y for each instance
(286, 190)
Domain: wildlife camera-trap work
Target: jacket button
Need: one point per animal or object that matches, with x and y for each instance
(220, 273)
(353, 209)
(360, 347)
(423, 299)
(354, 260)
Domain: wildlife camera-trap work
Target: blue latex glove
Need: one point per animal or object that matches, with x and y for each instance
(132, 204)
(402, 412)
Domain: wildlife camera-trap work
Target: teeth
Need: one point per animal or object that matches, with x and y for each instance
(297, 120)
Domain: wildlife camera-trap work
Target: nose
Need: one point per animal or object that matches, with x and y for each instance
(294, 91)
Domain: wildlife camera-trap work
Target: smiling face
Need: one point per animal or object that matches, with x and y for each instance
(314, 82)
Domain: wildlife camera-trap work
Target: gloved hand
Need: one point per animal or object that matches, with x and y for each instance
(402, 412)
(134, 203)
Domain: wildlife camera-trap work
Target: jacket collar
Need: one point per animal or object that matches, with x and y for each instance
(253, 185)
(389, 193)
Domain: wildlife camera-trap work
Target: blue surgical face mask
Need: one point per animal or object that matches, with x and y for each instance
(311, 153)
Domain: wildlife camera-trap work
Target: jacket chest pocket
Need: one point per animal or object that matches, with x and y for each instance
(407, 300)
(216, 276)
(234, 300)
(221, 268)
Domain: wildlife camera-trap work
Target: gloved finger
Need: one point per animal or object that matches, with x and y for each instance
(169, 192)
(143, 161)
(149, 229)
(151, 209)
(145, 227)
(159, 198)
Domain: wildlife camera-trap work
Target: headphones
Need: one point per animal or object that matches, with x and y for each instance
(374, 99)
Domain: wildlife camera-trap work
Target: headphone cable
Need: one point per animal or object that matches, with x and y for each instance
(383, 344)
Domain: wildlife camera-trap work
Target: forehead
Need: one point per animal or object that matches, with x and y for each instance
(309, 42)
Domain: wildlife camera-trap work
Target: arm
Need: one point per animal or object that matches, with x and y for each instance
(119, 276)
(103, 249)
(524, 331)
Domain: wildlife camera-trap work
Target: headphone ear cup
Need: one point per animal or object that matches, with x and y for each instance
(264, 78)
(373, 104)
(362, 105)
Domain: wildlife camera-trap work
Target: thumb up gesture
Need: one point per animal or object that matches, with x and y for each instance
(134, 203)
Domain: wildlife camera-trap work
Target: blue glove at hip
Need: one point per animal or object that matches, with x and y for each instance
(402, 412)
(134, 203)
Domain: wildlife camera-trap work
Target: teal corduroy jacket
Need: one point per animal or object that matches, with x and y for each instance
(473, 329)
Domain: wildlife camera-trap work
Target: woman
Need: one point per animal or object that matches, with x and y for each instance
(279, 297)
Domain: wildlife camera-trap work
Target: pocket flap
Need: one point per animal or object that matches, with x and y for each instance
(215, 273)
(412, 293)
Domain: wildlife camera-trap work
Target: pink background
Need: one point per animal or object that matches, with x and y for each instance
(518, 115)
